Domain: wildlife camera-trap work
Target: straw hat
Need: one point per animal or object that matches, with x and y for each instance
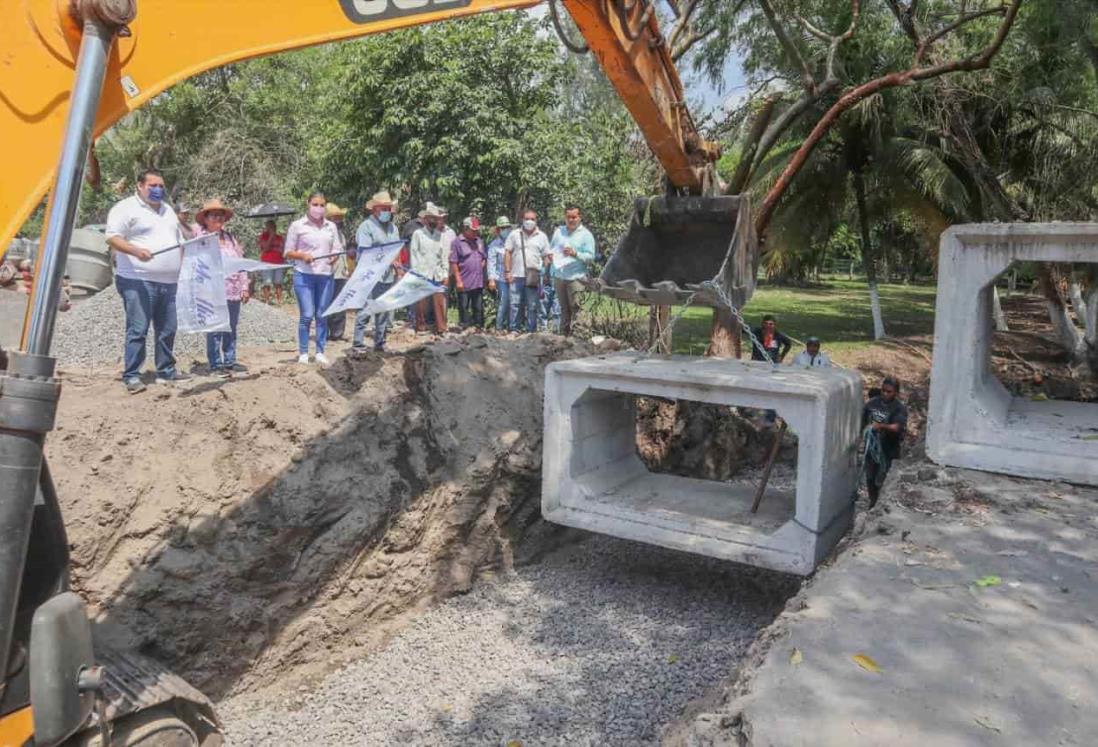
(432, 211)
(381, 198)
(209, 206)
(332, 210)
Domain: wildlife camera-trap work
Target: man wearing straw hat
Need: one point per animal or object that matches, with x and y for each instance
(378, 228)
(340, 271)
(428, 259)
(137, 227)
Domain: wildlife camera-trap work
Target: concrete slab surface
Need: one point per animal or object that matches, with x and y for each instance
(976, 597)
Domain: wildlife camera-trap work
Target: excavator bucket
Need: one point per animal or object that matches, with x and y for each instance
(675, 244)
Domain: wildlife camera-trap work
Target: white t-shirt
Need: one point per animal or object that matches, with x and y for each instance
(536, 246)
(804, 359)
(137, 222)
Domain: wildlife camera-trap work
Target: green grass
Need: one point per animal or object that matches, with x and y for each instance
(837, 311)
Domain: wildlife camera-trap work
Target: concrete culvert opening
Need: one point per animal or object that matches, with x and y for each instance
(357, 556)
(727, 445)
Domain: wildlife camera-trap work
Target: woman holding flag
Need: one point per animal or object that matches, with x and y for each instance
(221, 346)
(312, 243)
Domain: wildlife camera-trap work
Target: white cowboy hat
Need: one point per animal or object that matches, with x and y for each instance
(432, 211)
(381, 198)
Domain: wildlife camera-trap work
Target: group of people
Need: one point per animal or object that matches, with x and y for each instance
(529, 273)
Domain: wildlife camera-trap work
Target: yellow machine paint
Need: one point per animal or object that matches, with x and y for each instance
(168, 43)
(16, 728)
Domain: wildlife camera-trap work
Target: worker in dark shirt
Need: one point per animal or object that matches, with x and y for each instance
(775, 343)
(884, 420)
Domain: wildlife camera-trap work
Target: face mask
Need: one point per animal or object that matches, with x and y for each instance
(385, 216)
(505, 233)
(316, 212)
(529, 225)
(156, 194)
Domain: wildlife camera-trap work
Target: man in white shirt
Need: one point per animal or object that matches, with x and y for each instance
(811, 357)
(523, 257)
(138, 228)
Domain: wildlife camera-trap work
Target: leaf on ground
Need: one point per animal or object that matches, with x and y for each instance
(514, 743)
(866, 662)
(796, 657)
(991, 580)
(672, 658)
(1039, 397)
(1089, 438)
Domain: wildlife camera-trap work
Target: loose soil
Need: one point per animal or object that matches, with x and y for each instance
(274, 525)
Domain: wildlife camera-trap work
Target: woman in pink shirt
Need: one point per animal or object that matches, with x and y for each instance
(310, 242)
(221, 346)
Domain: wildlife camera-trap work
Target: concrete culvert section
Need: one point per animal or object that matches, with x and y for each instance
(355, 555)
(594, 479)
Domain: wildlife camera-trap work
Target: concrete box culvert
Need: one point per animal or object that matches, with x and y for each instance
(593, 478)
(973, 421)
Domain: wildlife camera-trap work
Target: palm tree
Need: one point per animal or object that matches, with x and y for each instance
(866, 169)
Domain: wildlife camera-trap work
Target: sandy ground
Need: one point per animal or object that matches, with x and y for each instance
(975, 596)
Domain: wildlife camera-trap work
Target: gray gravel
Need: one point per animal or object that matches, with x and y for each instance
(92, 333)
(600, 643)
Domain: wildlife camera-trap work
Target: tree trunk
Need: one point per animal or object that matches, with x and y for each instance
(750, 145)
(997, 310)
(724, 336)
(659, 329)
(868, 255)
(1067, 334)
(1075, 293)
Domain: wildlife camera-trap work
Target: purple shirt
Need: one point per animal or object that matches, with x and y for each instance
(470, 257)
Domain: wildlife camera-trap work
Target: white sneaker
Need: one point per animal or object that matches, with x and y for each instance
(322, 359)
(303, 358)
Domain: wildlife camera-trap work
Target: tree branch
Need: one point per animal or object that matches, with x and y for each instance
(850, 98)
(924, 46)
(808, 82)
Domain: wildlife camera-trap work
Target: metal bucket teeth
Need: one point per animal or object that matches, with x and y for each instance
(675, 245)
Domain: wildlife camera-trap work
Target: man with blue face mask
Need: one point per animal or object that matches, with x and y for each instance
(139, 227)
(378, 228)
(496, 283)
(523, 260)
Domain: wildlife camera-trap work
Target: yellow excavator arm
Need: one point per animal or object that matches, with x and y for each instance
(168, 42)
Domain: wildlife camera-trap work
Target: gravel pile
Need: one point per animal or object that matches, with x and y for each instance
(92, 333)
(600, 643)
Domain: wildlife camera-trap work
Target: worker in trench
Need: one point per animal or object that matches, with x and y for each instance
(884, 421)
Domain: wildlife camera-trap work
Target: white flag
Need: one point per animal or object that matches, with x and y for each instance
(243, 264)
(200, 304)
(371, 266)
(407, 291)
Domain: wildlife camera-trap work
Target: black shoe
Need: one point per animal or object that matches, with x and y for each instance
(237, 368)
(177, 377)
(134, 386)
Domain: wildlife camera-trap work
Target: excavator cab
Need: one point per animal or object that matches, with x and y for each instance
(685, 250)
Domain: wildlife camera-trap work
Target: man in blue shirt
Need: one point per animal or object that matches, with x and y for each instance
(496, 283)
(378, 228)
(572, 249)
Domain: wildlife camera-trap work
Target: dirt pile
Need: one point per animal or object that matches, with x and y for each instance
(273, 523)
(712, 442)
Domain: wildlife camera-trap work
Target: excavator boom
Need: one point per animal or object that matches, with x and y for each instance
(170, 42)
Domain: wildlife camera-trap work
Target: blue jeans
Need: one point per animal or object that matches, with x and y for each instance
(503, 310)
(550, 309)
(221, 346)
(381, 321)
(145, 301)
(314, 294)
(524, 302)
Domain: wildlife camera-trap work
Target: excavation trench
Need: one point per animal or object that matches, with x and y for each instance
(260, 534)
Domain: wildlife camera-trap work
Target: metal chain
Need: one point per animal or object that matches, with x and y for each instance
(671, 322)
(713, 285)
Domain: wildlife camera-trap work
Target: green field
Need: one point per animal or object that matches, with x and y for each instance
(836, 310)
